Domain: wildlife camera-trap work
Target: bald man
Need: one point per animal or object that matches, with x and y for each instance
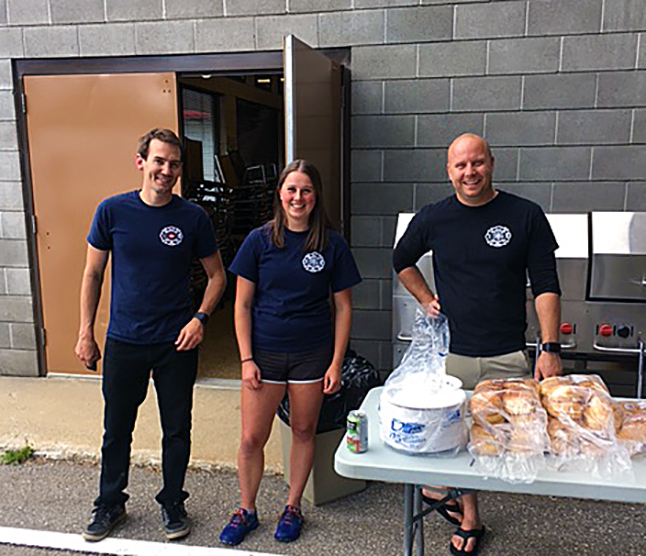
(485, 242)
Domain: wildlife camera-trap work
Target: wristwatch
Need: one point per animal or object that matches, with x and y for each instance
(551, 347)
(202, 317)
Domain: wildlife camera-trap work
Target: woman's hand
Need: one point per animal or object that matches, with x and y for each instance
(332, 379)
(251, 375)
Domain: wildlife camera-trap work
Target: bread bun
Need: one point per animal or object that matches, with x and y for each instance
(520, 402)
(487, 442)
(598, 414)
(564, 440)
(486, 407)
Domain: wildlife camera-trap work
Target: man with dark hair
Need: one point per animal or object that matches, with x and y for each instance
(485, 242)
(153, 236)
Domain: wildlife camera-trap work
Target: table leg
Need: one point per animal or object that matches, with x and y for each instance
(408, 519)
(419, 520)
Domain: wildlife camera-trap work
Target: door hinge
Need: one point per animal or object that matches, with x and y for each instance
(43, 337)
(23, 103)
(34, 224)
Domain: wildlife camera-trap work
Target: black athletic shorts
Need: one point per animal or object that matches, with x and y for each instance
(297, 367)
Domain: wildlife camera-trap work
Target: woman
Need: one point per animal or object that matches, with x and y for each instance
(286, 271)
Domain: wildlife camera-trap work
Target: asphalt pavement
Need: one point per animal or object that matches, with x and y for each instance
(57, 496)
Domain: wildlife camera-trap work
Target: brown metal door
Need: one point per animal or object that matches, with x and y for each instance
(313, 117)
(82, 133)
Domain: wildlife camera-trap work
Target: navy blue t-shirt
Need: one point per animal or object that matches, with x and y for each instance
(152, 251)
(481, 258)
(291, 308)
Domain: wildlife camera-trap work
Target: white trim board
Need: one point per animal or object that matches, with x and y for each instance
(112, 546)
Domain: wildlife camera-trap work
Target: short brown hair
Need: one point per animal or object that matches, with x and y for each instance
(165, 135)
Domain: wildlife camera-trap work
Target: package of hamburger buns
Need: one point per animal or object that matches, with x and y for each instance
(583, 425)
(508, 435)
(632, 433)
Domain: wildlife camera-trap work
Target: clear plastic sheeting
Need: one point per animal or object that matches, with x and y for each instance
(632, 433)
(421, 409)
(508, 438)
(583, 424)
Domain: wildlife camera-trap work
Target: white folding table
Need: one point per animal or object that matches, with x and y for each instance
(382, 463)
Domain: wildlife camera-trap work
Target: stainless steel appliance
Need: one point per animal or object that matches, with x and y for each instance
(602, 271)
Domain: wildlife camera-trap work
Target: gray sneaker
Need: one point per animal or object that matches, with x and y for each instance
(177, 524)
(104, 520)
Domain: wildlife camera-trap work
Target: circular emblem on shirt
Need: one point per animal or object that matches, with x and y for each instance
(313, 262)
(171, 236)
(498, 236)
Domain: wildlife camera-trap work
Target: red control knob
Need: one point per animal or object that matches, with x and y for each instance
(566, 328)
(605, 330)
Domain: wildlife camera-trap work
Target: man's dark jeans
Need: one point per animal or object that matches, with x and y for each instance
(126, 372)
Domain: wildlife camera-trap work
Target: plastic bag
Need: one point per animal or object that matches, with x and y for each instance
(358, 377)
(421, 409)
(583, 424)
(508, 437)
(632, 434)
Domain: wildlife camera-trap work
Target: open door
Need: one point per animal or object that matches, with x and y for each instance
(313, 118)
(82, 132)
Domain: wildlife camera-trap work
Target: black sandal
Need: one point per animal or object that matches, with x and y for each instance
(445, 509)
(476, 534)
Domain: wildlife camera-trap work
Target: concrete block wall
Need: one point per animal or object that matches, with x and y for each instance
(557, 86)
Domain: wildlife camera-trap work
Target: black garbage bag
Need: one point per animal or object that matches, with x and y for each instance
(358, 376)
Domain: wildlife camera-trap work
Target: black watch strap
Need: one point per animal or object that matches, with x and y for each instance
(202, 317)
(551, 347)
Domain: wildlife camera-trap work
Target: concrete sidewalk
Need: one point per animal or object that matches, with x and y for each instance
(57, 496)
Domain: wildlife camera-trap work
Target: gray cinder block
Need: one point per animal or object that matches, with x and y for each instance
(367, 97)
(486, 93)
(495, 19)
(425, 24)
(527, 55)
(585, 127)
(621, 162)
(559, 91)
(383, 131)
(48, 42)
(371, 325)
(417, 96)
(624, 15)
(379, 62)
(366, 295)
(177, 9)
(415, 165)
(72, 11)
(18, 281)
(381, 198)
(520, 128)
(225, 34)
(373, 262)
(9, 166)
(23, 336)
(351, 28)
(585, 196)
(27, 12)
(366, 166)
(127, 10)
(304, 6)
(622, 88)
(164, 37)
(555, 163)
(13, 225)
(105, 40)
(255, 7)
(556, 17)
(15, 362)
(452, 59)
(11, 44)
(599, 52)
(16, 308)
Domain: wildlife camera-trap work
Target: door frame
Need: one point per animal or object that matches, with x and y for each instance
(224, 63)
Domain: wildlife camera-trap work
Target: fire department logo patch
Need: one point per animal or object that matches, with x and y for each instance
(171, 236)
(498, 236)
(313, 262)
